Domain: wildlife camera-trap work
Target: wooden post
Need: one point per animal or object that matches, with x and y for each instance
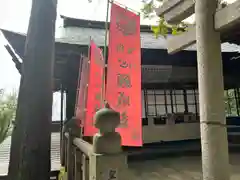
(61, 129)
(107, 161)
(35, 99)
(70, 124)
(78, 164)
(215, 160)
(63, 149)
(70, 159)
(65, 152)
(85, 167)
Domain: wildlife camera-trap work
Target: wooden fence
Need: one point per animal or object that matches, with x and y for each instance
(102, 159)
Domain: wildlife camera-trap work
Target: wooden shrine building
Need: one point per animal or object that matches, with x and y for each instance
(169, 82)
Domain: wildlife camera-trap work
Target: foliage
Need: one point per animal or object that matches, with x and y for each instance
(163, 28)
(8, 103)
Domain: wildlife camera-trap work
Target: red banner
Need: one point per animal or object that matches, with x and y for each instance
(95, 86)
(124, 73)
(82, 91)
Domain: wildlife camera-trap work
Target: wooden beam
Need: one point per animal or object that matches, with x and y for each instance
(182, 41)
(167, 6)
(225, 19)
(15, 59)
(180, 12)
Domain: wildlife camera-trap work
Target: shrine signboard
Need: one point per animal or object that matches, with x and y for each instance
(123, 91)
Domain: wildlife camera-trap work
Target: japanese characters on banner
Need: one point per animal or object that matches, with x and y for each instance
(123, 91)
(82, 91)
(95, 85)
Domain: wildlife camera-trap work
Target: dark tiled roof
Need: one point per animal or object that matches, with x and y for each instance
(74, 22)
(80, 36)
(79, 32)
(96, 29)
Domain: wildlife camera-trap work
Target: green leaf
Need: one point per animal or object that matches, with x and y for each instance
(163, 27)
(156, 30)
(148, 9)
(174, 31)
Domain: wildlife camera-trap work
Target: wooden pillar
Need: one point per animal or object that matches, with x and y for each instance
(107, 161)
(70, 159)
(71, 156)
(63, 149)
(85, 167)
(65, 152)
(35, 98)
(78, 165)
(215, 160)
(70, 101)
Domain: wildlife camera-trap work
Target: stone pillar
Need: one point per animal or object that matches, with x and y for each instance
(107, 162)
(215, 160)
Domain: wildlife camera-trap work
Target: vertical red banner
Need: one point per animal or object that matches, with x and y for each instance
(81, 99)
(123, 91)
(95, 85)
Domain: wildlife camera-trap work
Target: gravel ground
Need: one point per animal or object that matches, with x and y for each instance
(177, 168)
(168, 168)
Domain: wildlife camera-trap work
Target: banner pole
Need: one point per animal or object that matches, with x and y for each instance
(105, 53)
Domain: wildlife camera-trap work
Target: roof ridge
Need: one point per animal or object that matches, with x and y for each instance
(84, 23)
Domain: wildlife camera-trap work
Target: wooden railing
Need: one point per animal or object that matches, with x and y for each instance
(101, 160)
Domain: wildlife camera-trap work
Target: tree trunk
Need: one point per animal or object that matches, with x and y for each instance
(215, 160)
(35, 98)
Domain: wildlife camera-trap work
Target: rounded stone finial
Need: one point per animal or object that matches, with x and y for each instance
(106, 119)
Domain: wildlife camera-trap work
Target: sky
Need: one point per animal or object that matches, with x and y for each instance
(14, 15)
